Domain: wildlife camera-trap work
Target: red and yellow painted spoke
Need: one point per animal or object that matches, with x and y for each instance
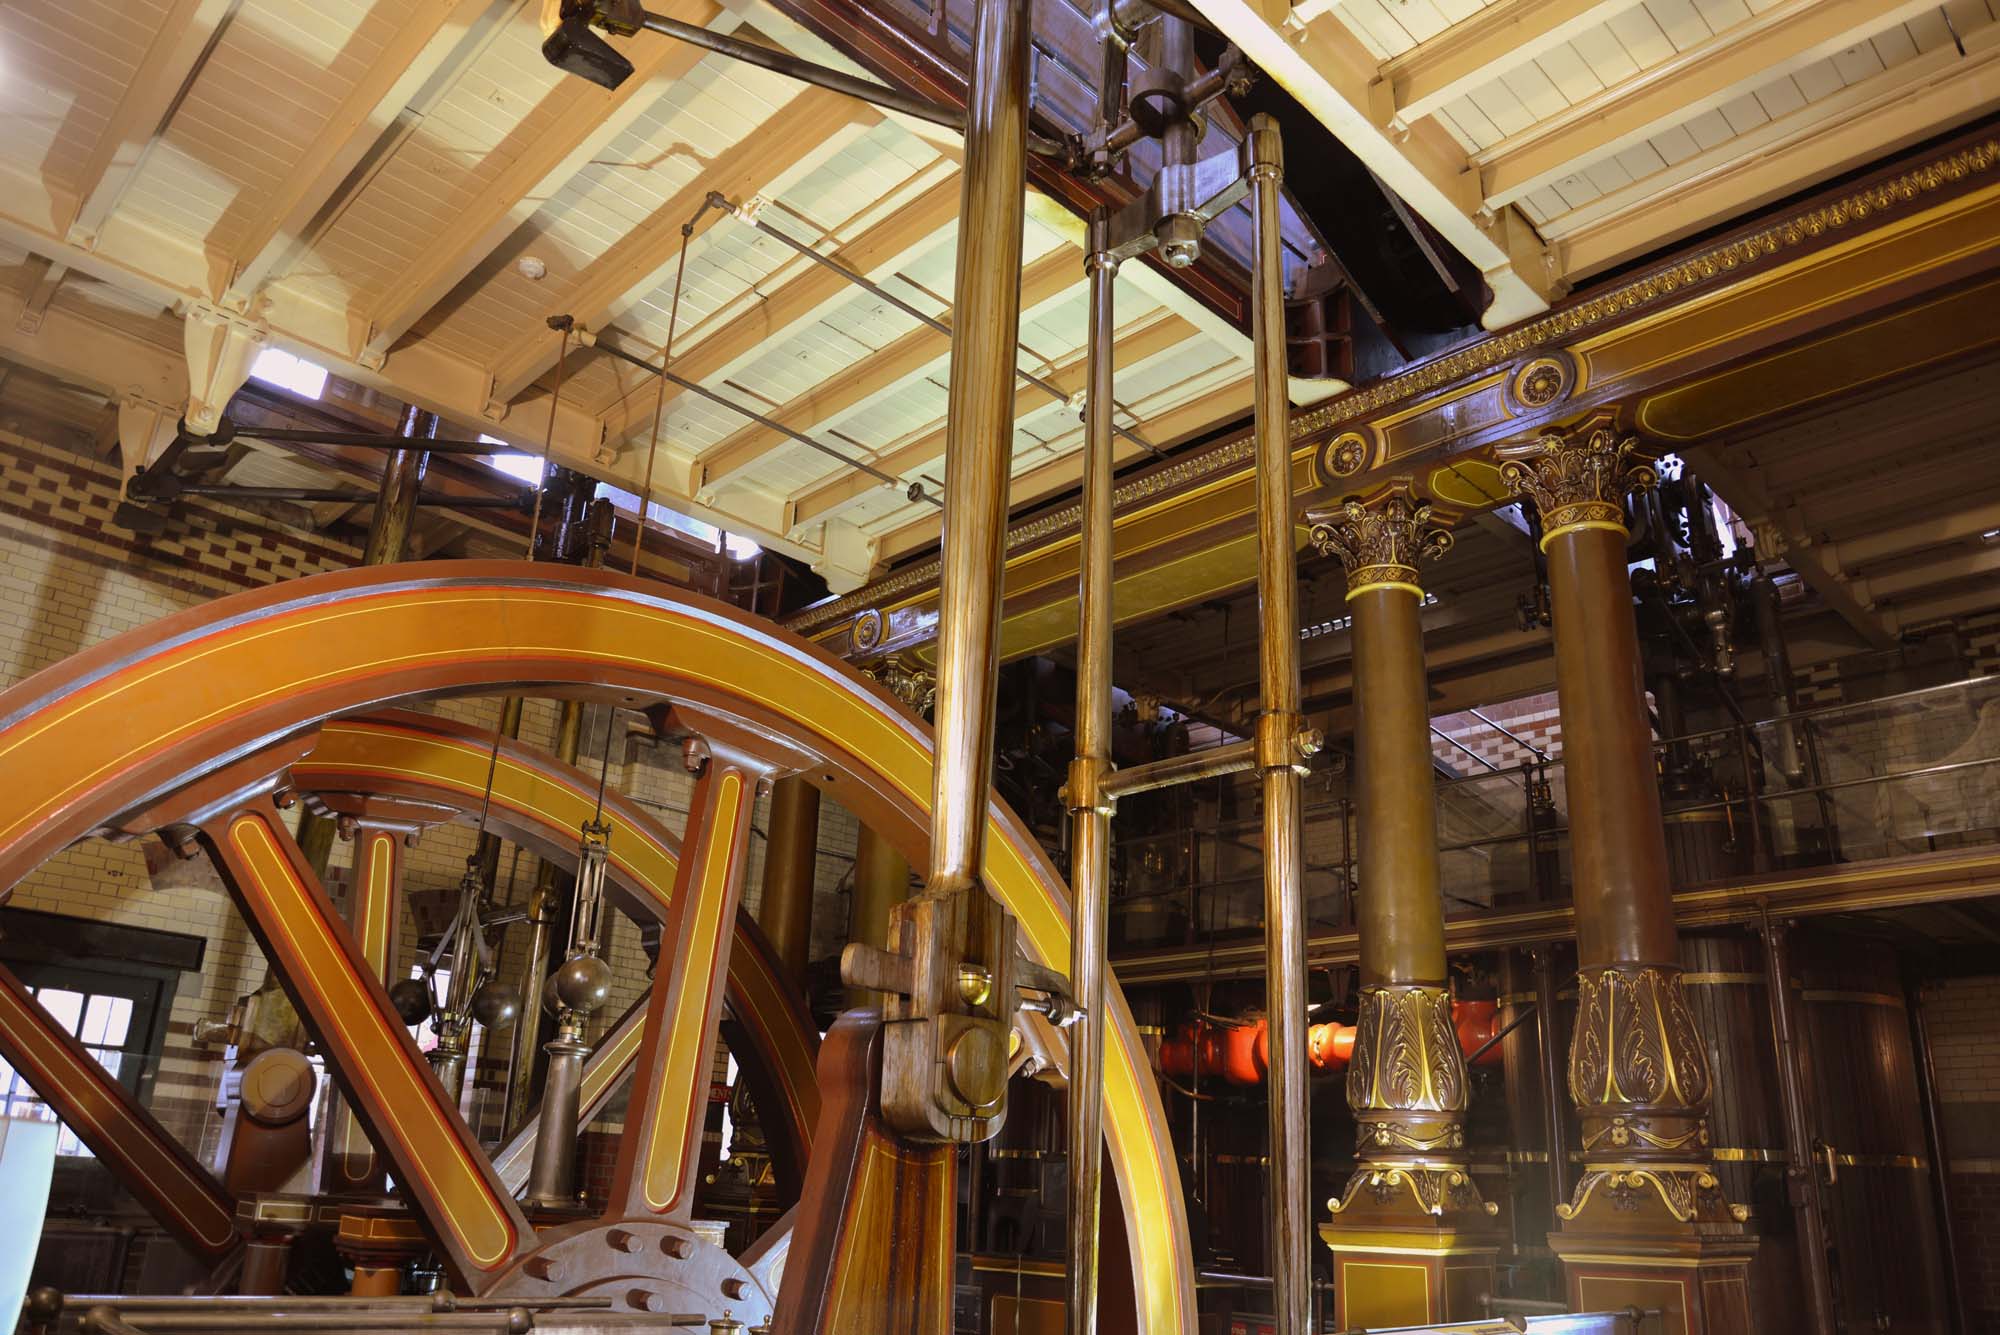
(378, 882)
(260, 665)
(430, 759)
(151, 1164)
(434, 1155)
(660, 1152)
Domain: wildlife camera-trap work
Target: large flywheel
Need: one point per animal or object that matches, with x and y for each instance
(260, 693)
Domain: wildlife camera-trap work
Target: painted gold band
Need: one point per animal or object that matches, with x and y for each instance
(1610, 524)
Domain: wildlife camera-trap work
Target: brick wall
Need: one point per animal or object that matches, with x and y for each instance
(1963, 1016)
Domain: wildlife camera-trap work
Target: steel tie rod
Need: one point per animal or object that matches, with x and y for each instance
(869, 285)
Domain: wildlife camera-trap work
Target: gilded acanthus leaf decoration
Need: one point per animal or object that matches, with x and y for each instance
(1391, 533)
(1577, 477)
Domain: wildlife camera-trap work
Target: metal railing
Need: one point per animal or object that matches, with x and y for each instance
(1892, 776)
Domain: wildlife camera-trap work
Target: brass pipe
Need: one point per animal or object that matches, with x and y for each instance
(979, 435)
(1192, 767)
(1090, 810)
(881, 881)
(791, 846)
(1278, 730)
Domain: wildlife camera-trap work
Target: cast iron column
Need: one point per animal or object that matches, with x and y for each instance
(791, 848)
(1638, 1067)
(1406, 1081)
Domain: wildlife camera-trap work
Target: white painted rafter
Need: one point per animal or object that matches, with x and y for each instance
(805, 132)
(1328, 70)
(430, 35)
(1483, 47)
(590, 118)
(171, 61)
(1774, 42)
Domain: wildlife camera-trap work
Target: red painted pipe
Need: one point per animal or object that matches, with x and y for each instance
(1241, 1053)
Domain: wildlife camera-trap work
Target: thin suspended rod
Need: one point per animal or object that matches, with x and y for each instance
(873, 288)
(821, 76)
(760, 419)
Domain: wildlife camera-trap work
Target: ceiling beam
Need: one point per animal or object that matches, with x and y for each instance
(1779, 533)
(1905, 104)
(1771, 44)
(1047, 278)
(420, 47)
(172, 59)
(1479, 49)
(795, 301)
(589, 118)
(1330, 73)
(1153, 334)
(1225, 403)
(804, 132)
(49, 277)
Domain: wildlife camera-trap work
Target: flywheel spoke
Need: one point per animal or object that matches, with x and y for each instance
(351, 1160)
(148, 1162)
(435, 1157)
(659, 1155)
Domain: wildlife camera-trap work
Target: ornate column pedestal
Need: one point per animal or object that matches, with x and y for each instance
(1413, 1241)
(1647, 1225)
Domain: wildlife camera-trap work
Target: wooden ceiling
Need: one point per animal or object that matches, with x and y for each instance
(406, 192)
(1550, 140)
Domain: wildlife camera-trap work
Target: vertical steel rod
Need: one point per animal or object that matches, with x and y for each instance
(1090, 808)
(1278, 730)
(979, 438)
(1801, 1173)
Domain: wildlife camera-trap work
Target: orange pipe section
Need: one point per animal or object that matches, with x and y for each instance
(1241, 1053)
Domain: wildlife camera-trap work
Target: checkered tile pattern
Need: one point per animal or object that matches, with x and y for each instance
(1535, 720)
(210, 550)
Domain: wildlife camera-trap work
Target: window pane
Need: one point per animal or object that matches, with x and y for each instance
(65, 1006)
(106, 1020)
(108, 1058)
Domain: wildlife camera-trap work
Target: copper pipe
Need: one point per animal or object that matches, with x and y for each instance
(1801, 1173)
(1191, 767)
(1090, 810)
(791, 848)
(979, 435)
(1277, 755)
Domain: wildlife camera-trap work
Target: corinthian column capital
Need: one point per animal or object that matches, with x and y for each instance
(1380, 541)
(1577, 479)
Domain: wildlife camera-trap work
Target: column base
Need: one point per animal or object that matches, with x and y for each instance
(1411, 1246)
(1658, 1237)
